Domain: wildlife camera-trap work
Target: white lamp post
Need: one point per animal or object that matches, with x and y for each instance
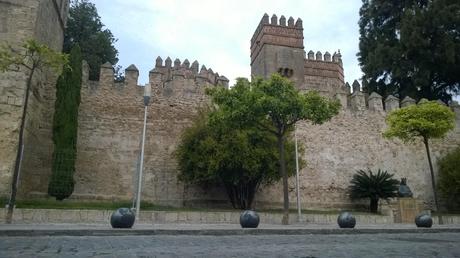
(147, 93)
(297, 176)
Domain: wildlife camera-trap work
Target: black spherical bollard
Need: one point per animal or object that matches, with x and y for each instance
(423, 220)
(249, 219)
(346, 220)
(122, 218)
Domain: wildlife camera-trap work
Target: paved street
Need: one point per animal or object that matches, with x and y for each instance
(360, 245)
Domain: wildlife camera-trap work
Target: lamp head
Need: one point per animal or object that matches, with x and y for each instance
(147, 94)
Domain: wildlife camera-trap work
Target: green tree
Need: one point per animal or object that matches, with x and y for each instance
(449, 178)
(84, 27)
(213, 152)
(411, 48)
(32, 58)
(425, 121)
(65, 125)
(373, 186)
(274, 106)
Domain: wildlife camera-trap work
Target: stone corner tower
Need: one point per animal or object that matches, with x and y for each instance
(277, 47)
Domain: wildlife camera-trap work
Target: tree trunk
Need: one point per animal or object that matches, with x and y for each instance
(242, 195)
(433, 184)
(374, 205)
(15, 179)
(285, 220)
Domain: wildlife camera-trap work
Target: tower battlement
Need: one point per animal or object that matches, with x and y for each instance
(324, 73)
(276, 32)
(169, 71)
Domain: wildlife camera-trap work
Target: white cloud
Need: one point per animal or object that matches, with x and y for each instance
(217, 33)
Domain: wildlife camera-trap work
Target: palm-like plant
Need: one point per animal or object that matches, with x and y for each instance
(373, 186)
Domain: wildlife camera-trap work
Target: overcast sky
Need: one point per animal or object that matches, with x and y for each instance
(217, 33)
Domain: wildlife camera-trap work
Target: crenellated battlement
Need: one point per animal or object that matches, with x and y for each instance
(167, 79)
(106, 78)
(354, 99)
(319, 68)
(335, 58)
(277, 32)
(167, 71)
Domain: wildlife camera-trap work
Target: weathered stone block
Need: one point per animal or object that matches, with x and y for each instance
(375, 102)
(391, 103)
(357, 101)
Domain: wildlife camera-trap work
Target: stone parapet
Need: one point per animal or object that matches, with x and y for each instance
(324, 68)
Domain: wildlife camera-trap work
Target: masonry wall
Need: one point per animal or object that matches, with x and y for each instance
(110, 127)
(349, 142)
(111, 119)
(20, 20)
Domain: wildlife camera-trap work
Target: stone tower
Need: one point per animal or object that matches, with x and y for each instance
(277, 46)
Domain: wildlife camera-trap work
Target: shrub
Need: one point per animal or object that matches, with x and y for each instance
(373, 186)
(449, 178)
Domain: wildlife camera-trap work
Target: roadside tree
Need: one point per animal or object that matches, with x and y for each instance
(425, 121)
(274, 106)
(32, 58)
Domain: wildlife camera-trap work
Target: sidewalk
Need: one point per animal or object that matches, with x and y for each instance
(211, 229)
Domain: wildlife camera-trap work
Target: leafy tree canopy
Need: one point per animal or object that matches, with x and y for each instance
(275, 102)
(84, 27)
(214, 152)
(426, 120)
(411, 48)
(274, 106)
(31, 56)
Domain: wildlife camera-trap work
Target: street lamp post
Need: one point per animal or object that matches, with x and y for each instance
(297, 176)
(147, 92)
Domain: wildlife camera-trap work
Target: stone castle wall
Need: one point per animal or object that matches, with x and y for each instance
(20, 20)
(111, 119)
(110, 127)
(351, 141)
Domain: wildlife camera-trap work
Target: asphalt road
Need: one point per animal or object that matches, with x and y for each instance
(354, 245)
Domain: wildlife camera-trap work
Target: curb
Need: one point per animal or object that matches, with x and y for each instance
(214, 232)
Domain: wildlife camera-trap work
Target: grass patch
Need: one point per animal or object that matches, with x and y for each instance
(145, 206)
(96, 205)
(148, 206)
(328, 212)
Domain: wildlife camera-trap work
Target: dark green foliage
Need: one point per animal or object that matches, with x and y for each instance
(373, 186)
(65, 125)
(274, 106)
(411, 48)
(214, 152)
(449, 179)
(84, 27)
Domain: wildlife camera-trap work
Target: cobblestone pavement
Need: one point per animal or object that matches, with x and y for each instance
(361, 245)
